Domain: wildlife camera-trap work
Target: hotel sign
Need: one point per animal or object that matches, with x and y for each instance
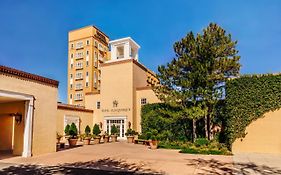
(116, 110)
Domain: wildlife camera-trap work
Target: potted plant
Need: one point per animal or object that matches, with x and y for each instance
(96, 132)
(153, 140)
(114, 132)
(71, 132)
(59, 136)
(106, 137)
(130, 135)
(87, 138)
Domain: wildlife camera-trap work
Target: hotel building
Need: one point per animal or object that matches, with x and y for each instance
(105, 88)
(87, 49)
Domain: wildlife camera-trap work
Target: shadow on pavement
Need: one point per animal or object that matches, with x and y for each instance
(103, 166)
(217, 167)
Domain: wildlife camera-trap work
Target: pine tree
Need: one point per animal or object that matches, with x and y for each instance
(194, 79)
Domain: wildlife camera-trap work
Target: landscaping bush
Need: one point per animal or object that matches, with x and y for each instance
(130, 132)
(73, 130)
(114, 130)
(201, 146)
(96, 130)
(87, 130)
(66, 129)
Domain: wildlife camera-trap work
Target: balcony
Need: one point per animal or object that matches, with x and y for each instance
(79, 78)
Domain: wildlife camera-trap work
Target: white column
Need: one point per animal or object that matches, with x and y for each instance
(126, 51)
(27, 137)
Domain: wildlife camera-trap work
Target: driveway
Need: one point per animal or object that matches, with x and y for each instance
(133, 159)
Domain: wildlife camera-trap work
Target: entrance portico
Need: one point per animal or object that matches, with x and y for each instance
(119, 122)
(17, 119)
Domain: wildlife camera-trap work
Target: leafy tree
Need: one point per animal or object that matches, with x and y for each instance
(87, 130)
(114, 130)
(96, 130)
(66, 129)
(194, 80)
(73, 130)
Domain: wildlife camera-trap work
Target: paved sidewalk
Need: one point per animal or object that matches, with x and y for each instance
(255, 163)
(134, 159)
(129, 157)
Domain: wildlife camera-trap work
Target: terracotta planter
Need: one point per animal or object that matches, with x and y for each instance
(87, 141)
(96, 140)
(72, 142)
(58, 140)
(114, 138)
(153, 144)
(130, 139)
(106, 139)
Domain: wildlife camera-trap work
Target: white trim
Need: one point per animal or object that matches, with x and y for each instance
(124, 40)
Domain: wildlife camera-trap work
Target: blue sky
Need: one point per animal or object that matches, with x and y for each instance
(33, 34)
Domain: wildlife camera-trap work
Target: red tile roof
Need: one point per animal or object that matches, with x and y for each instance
(21, 74)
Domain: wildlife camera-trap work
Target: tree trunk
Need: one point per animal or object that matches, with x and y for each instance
(194, 130)
(206, 127)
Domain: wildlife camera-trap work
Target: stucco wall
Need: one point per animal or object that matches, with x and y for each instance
(7, 125)
(44, 132)
(6, 133)
(263, 135)
(86, 118)
(117, 84)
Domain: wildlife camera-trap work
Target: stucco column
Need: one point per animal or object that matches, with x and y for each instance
(27, 137)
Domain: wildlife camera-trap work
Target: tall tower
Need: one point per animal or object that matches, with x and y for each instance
(87, 49)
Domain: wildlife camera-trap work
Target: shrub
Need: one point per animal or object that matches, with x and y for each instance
(73, 130)
(201, 142)
(114, 130)
(87, 130)
(130, 132)
(66, 129)
(96, 130)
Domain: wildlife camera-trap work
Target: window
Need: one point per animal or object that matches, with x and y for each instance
(143, 101)
(70, 86)
(95, 76)
(78, 86)
(78, 96)
(96, 44)
(98, 104)
(79, 55)
(71, 56)
(79, 75)
(71, 65)
(96, 59)
(79, 44)
(87, 63)
(88, 42)
(87, 73)
(71, 75)
(72, 45)
(79, 65)
(70, 96)
(87, 53)
(87, 84)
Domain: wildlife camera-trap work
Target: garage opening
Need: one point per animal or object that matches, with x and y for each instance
(15, 124)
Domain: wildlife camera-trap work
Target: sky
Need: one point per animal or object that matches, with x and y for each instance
(33, 33)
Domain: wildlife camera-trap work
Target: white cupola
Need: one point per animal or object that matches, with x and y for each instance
(124, 48)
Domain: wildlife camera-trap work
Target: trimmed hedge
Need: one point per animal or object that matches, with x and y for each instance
(247, 99)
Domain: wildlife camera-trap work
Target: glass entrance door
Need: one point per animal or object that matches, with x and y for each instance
(120, 125)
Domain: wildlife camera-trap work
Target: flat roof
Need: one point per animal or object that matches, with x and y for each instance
(21, 74)
(90, 26)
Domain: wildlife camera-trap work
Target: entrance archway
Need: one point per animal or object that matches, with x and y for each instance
(16, 120)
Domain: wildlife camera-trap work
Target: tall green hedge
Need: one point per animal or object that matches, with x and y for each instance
(247, 99)
(157, 117)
